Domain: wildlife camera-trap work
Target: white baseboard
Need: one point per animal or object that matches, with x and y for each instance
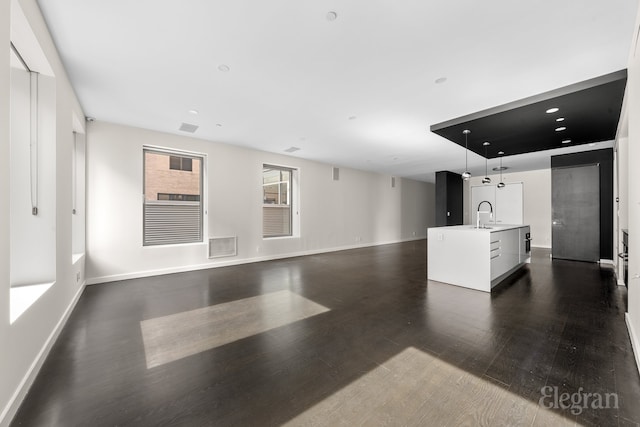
(541, 246)
(608, 262)
(218, 263)
(11, 409)
(621, 282)
(635, 342)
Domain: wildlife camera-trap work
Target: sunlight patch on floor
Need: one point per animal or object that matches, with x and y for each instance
(415, 388)
(23, 297)
(170, 338)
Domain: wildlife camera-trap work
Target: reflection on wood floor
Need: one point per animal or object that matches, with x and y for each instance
(371, 341)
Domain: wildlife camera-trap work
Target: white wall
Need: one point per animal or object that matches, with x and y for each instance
(360, 209)
(537, 201)
(7, 384)
(632, 112)
(621, 192)
(23, 342)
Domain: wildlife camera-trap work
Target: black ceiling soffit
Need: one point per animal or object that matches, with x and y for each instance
(591, 111)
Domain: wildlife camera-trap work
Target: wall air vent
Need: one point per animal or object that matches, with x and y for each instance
(222, 247)
(393, 182)
(188, 127)
(336, 174)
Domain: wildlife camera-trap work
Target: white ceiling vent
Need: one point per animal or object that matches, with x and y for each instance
(188, 127)
(291, 149)
(336, 174)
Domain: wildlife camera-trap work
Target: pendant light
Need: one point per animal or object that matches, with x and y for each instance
(466, 174)
(501, 184)
(486, 179)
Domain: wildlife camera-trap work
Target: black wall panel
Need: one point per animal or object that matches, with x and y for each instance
(605, 159)
(449, 199)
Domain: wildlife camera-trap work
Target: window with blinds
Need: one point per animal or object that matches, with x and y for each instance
(172, 211)
(276, 201)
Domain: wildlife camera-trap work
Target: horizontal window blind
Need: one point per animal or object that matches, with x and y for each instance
(172, 223)
(276, 221)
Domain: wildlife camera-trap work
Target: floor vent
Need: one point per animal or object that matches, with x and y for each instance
(222, 247)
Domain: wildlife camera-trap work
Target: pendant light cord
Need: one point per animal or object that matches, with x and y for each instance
(485, 162)
(466, 175)
(466, 152)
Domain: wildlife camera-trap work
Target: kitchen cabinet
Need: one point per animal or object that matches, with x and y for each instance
(489, 255)
(505, 251)
(507, 203)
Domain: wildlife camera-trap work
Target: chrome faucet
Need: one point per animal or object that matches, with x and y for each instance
(478, 212)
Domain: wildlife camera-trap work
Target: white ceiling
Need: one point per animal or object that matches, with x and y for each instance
(295, 77)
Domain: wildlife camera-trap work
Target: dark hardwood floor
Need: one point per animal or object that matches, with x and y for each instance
(371, 342)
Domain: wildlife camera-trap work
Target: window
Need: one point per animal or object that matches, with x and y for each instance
(276, 201)
(78, 211)
(181, 163)
(32, 193)
(172, 197)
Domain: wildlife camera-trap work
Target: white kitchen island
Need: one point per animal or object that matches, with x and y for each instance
(476, 258)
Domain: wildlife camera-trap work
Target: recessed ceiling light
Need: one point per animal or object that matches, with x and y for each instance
(500, 168)
(441, 80)
(332, 16)
(566, 141)
(194, 112)
(561, 128)
(224, 68)
(553, 110)
(501, 153)
(560, 119)
(352, 117)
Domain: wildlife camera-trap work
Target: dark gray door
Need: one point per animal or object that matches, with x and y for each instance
(575, 205)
